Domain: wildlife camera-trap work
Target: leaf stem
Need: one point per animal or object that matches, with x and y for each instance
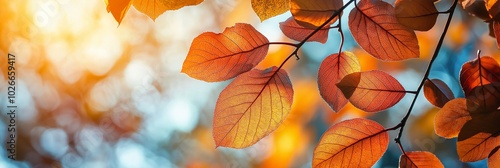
(341, 35)
(402, 124)
(411, 92)
(283, 43)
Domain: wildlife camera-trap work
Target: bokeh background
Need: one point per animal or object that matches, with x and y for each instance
(92, 93)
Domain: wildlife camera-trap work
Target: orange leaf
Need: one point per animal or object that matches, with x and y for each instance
(266, 9)
(416, 14)
(154, 8)
(479, 137)
(371, 91)
(494, 158)
(484, 99)
(118, 8)
(480, 71)
(496, 31)
(332, 70)
(437, 92)
(352, 143)
(218, 57)
(451, 118)
(293, 30)
(493, 7)
(376, 29)
(311, 14)
(253, 105)
(419, 159)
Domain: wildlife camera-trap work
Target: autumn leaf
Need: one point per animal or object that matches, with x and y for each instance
(479, 137)
(451, 118)
(371, 91)
(377, 30)
(496, 31)
(253, 105)
(480, 71)
(331, 71)
(154, 8)
(416, 14)
(352, 143)
(312, 14)
(419, 159)
(476, 8)
(484, 99)
(494, 158)
(218, 57)
(293, 30)
(118, 8)
(266, 9)
(437, 92)
(493, 7)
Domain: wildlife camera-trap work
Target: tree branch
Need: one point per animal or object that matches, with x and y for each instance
(402, 124)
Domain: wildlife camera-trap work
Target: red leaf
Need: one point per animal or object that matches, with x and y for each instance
(478, 72)
(253, 105)
(451, 118)
(218, 57)
(371, 91)
(332, 70)
(437, 92)
(416, 14)
(479, 137)
(419, 159)
(375, 27)
(312, 14)
(496, 30)
(298, 33)
(352, 143)
(484, 99)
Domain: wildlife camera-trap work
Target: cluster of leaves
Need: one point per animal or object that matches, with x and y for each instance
(257, 101)
(472, 119)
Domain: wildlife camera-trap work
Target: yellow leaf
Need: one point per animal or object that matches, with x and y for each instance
(266, 9)
(154, 8)
(118, 8)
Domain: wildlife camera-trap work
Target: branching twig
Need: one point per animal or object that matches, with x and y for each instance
(402, 124)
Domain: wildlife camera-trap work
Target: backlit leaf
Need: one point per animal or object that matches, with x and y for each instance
(481, 71)
(371, 91)
(476, 8)
(377, 30)
(451, 118)
(293, 30)
(437, 92)
(484, 99)
(493, 7)
(118, 8)
(331, 71)
(416, 14)
(253, 105)
(352, 143)
(494, 158)
(479, 137)
(218, 57)
(419, 159)
(496, 31)
(312, 14)
(154, 8)
(266, 9)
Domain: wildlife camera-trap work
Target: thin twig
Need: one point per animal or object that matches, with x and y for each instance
(402, 124)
